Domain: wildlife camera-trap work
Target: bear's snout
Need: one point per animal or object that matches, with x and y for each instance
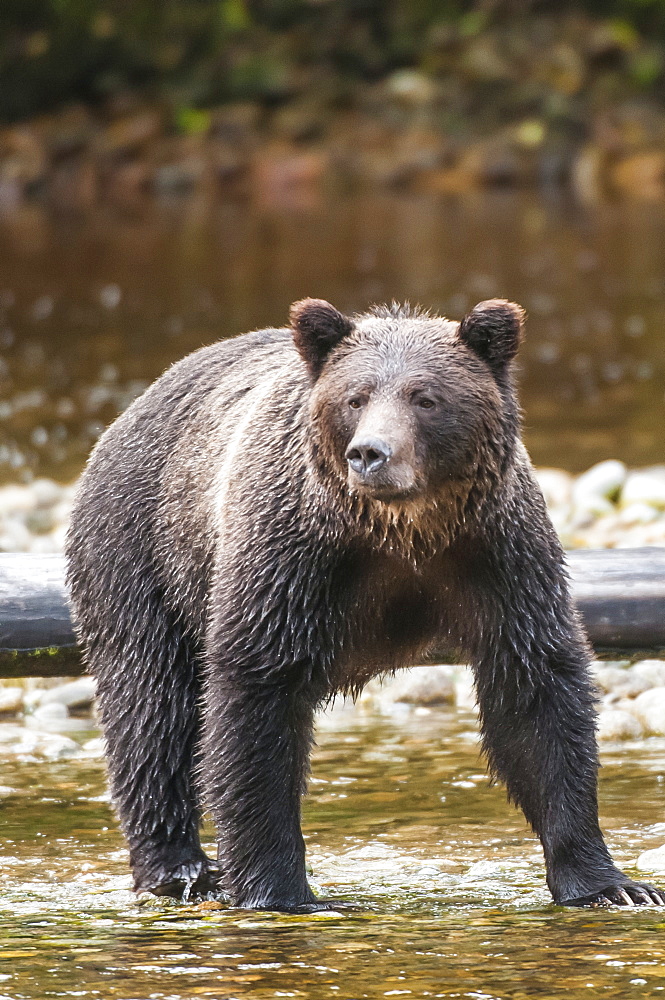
(367, 455)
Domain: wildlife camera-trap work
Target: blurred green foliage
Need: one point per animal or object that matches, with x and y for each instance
(200, 52)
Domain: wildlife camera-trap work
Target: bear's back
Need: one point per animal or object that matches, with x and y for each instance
(158, 457)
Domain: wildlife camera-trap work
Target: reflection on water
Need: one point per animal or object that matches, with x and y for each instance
(94, 308)
(447, 885)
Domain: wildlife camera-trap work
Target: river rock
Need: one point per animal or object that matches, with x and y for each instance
(75, 694)
(53, 746)
(52, 712)
(465, 692)
(588, 509)
(15, 536)
(652, 671)
(46, 492)
(11, 699)
(609, 678)
(55, 718)
(410, 87)
(646, 486)
(422, 686)
(614, 724)
(649, 708)
(16, 500)
(630, 682)
(652, 861)
(603, 480)
(10, 733)
(638, 513)
(557, 487)
(19, 741)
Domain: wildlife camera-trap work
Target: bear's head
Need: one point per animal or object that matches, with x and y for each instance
(405, 405)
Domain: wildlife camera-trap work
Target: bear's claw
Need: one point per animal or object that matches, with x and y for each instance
(630, 894)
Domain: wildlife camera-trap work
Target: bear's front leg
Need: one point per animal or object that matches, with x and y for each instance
(538, 735)
(538, 715)
(256, 748)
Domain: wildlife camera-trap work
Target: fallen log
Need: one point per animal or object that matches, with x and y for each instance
(620, 594)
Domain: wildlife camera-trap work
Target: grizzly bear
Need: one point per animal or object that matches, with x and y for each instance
(288, 514)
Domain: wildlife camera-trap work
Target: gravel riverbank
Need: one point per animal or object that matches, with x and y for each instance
(607, 506)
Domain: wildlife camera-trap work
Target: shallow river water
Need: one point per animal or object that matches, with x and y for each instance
(94, 307)
(446, 885)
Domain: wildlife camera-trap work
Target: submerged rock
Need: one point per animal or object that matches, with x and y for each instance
(19, 741)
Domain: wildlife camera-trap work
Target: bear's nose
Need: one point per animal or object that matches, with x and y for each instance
(366, 457)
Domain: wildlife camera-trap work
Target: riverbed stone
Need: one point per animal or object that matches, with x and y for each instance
(649, 708)
(11, 700)
(614, 724)
(53, 711)
(557, 487)
(646, 486)
(652, 861)
(604, 480)
(465, 692)
(608, 677)
(653, 672)
(16, 500)
(632, 681)
(10, 733)
(20, 741)
(588, 509)
(638, 513)
(75, 694)
(422, 686)
(46, 492)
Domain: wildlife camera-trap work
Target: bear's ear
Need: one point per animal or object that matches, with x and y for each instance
(493, 329)
(317, 327)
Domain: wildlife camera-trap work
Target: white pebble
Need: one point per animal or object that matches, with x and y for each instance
(10, 733)
(52, 712)
(613, 724)
(16, 500)
(465, 692)
(603, 480)
(110, 296)
(652, 861)
(588, 509)
(46, 492)
(646, 486)
(11, 699)
(15, 536)
(422, 686)
(638, 513)
(653, 672)
(556, 485)
(75, 694)
(649, 708)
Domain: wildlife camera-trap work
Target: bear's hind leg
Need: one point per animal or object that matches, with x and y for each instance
(148, 694)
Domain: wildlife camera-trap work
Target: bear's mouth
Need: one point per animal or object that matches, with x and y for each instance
(387, 493)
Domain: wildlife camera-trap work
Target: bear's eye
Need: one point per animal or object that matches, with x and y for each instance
(355, 402)
(425, 403)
